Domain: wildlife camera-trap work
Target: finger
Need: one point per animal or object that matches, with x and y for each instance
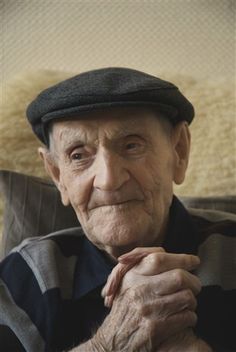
(138, 253)
(176, 280)
(159, 262)
(115, 278)
(126, 262)
(163, 306)
(162, 329)
(108, 300)
(177, 323)
(160, 308)
(155, 263)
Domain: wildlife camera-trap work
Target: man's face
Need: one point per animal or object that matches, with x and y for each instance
(116, 169)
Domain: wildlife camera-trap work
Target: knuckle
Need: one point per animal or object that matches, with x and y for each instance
(136, 294)
(137, 250)
(179, 278)
(198, 284)
(130, 278)
(188, 295)
(133, 302)
(132, 295)
(156, 259)
(150, 326)
(189, 298)
(144, 310)
(190, 318)
(137, 298)
(160, 249)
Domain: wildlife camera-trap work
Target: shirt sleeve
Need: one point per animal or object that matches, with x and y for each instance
(18, 312)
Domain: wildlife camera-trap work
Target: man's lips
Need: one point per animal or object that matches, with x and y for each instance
(113, 204)
(112, 201)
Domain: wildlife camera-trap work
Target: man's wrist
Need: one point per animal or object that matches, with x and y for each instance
(86, 347)
(92, 345)
(185, 341)
(202, 346)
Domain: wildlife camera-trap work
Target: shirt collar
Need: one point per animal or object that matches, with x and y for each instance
(92, 269)
(181, 236)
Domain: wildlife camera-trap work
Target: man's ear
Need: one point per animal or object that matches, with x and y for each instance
(54, 172)
(181, 139)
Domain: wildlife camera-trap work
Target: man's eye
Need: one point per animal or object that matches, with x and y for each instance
(131, 145)
(134, 147)
(77, 156)
(81, 155)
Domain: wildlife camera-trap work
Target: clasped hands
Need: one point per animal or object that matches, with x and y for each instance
(152, 295)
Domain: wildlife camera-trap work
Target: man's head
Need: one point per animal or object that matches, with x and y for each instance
(116, 163)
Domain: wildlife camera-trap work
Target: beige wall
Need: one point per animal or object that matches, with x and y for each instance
(196, 37)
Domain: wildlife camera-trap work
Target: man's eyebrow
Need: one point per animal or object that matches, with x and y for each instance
(70, 137)
(127, 130)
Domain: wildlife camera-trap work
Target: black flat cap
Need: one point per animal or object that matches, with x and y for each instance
(105, 88)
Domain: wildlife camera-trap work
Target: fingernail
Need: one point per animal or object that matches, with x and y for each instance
(106, 301)
(103, 293)
(121, 257)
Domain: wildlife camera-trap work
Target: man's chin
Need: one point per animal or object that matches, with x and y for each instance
(116, 227)
(115, 247)
(117, 236)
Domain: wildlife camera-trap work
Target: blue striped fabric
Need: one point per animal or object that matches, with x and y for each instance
(50, 287)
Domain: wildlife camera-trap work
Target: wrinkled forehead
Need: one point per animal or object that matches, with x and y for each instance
(113, 123)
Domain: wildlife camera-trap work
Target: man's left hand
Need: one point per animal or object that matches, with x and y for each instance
(154, 261)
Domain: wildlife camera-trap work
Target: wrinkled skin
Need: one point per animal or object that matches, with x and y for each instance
(155, 261)
(116, 168)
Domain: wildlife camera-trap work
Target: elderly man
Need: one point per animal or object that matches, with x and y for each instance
(128, 279)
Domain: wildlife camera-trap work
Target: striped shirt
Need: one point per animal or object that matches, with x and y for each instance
(50, 287)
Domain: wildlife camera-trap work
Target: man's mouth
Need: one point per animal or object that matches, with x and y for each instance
(113, 203)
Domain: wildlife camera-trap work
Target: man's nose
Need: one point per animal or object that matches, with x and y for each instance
(110, 171)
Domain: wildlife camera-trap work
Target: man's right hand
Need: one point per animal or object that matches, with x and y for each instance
(152, 304)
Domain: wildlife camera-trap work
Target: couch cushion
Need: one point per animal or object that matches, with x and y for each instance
(32, 208)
